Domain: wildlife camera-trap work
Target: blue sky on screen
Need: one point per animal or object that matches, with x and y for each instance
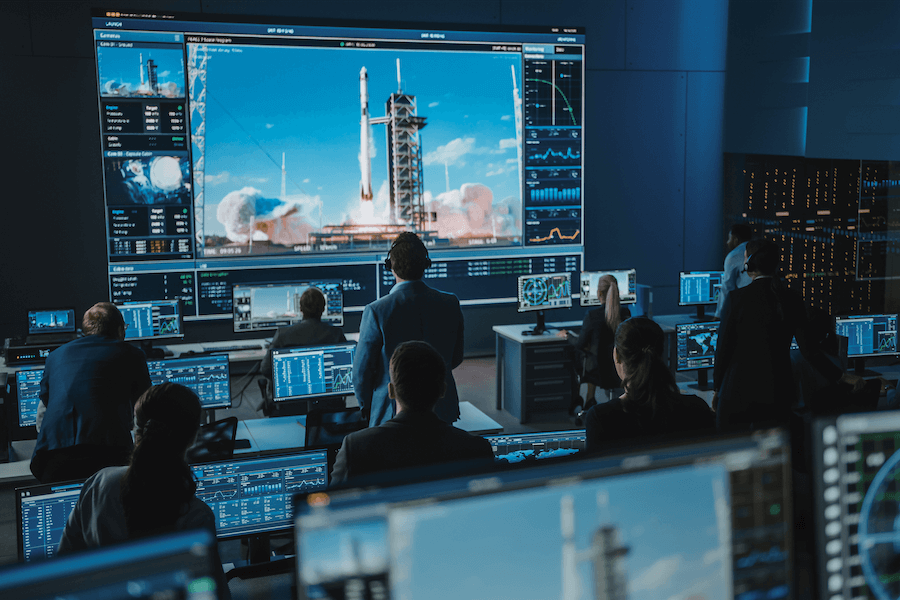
(263, 101)
(508, 546)
(123, 65)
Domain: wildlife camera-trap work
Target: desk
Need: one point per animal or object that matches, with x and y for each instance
(534, 372)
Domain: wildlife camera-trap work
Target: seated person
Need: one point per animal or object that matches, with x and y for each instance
(87, 397)
(416, 436)
(310, 331)
(154, 494)
(598, 332)
(652, 404)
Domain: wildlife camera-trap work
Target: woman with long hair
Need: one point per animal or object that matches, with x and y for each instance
(652, 404)
(154, 494)
(595, 342)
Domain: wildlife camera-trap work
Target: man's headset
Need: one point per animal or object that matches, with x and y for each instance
(387, 261)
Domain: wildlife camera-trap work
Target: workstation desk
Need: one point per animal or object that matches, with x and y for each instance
(534, 372)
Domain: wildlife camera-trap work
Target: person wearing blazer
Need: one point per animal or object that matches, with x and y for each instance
(753, 381)
(412, 311)
(416, 436)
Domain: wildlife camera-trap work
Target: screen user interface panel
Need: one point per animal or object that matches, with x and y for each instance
(208, 376)
(271, 306)
(542, 292)
(152, 320)
(699, 287)
(868, 335)
(186, 207)
(696, 345)
(312, 371)
(51, 321)
(727, 502)
(28, 389)
(253, 496)
(856, 486)
(626, 281)
(42, 512)
(519, 447)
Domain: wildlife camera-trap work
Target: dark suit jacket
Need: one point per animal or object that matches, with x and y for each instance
(308, 332)
(89, 387)
(412, 311)
(596, 340)
(753, 374)
(411, 439)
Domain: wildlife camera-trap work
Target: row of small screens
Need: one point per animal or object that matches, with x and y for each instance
(727, 500)
(300, 373)
(867, 335)
(722, 529)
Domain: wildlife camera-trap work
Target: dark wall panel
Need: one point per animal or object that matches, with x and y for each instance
(687, 35)
(635, 189)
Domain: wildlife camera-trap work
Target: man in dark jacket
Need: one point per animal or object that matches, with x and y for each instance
(87, 397)
(416, 436)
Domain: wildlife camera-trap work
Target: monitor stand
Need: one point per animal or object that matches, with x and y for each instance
(702, 381)
(859, 368)
(540, 328)
(701, 314)
(260, 562)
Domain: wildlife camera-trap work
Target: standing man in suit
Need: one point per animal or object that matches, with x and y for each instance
(412, 311)
(85, 413)
(753, 381)
(415, 437)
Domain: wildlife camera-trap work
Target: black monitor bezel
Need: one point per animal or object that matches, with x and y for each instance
(179, 307)
(695, 324)
(896, 316)
(681, 276)
(217, 358)
(624, 298)
(350, 345)
(531, 308)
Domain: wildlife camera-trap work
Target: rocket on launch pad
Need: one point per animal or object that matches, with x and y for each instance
(365, 160)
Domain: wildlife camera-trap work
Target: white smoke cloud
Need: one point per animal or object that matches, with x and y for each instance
(451, 153)
(374, 212)
(210, 179)
(657, 574)
(246, 214)
(470, 212)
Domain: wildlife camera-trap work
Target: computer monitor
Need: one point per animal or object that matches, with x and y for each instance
(152, 320)
(272, 305)
(855, 491)
(177, 565)
(710, 520)
(868, 336)
(699, 288)
(207, 375)
(520, 447)
(54, 320)
(252, 496)
(41, 515)
(312, 372)
(625, 279)
(28, 388)
(542, 292)
(695, 349)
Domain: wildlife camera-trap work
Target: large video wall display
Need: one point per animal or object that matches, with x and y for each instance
(839, 225)
(243, 150)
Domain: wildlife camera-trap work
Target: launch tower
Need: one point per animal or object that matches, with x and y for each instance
(405, 159)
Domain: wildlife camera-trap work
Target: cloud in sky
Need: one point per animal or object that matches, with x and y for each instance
(506, 118)
(210, 179)
(164, 74)
(657, 574)
(433, 104)
(451, 153)
(270, 125)
(507, 143)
